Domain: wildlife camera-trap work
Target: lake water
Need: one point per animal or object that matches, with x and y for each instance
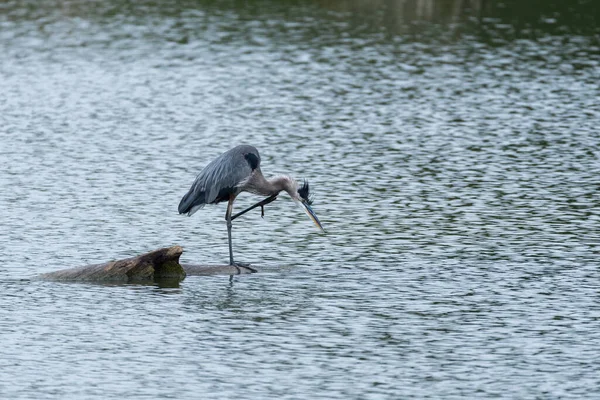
(453, 153)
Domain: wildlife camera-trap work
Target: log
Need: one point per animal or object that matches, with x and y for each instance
(156, 266)
(161, 264)
(205, 270)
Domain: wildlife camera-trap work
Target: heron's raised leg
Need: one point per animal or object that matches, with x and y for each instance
(261, 203)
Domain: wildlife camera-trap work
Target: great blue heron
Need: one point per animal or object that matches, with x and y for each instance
(236, 171)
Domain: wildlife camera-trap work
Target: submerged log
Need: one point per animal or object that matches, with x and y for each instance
(204, 270)
(156, 265)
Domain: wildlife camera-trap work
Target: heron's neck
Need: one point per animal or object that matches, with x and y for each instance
(277, 184)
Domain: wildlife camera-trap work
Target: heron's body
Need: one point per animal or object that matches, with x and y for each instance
(224, 177)
(233, 172)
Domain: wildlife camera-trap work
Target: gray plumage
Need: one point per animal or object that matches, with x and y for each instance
(221, 178)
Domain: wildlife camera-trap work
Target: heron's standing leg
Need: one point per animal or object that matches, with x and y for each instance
(229, 225)
(228, 219)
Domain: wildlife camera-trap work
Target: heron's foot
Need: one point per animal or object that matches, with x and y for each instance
(247, 266)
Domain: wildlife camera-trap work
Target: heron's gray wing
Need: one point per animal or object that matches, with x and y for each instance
(225, 174)
(220, 178)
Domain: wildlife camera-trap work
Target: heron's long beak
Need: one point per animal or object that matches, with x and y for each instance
(311, 214)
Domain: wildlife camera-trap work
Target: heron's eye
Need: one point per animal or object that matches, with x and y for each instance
(304, 193)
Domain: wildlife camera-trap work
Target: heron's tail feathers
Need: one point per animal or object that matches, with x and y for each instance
(192, 202)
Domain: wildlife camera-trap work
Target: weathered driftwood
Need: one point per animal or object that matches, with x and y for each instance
(156, 265)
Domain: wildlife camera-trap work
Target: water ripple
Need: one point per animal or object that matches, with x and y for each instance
(454, 167)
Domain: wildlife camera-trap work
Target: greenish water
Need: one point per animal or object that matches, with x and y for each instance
(452, 148)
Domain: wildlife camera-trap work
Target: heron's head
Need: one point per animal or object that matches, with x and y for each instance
(302, 196)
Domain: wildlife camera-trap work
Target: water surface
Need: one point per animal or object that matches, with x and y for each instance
(453, 155)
